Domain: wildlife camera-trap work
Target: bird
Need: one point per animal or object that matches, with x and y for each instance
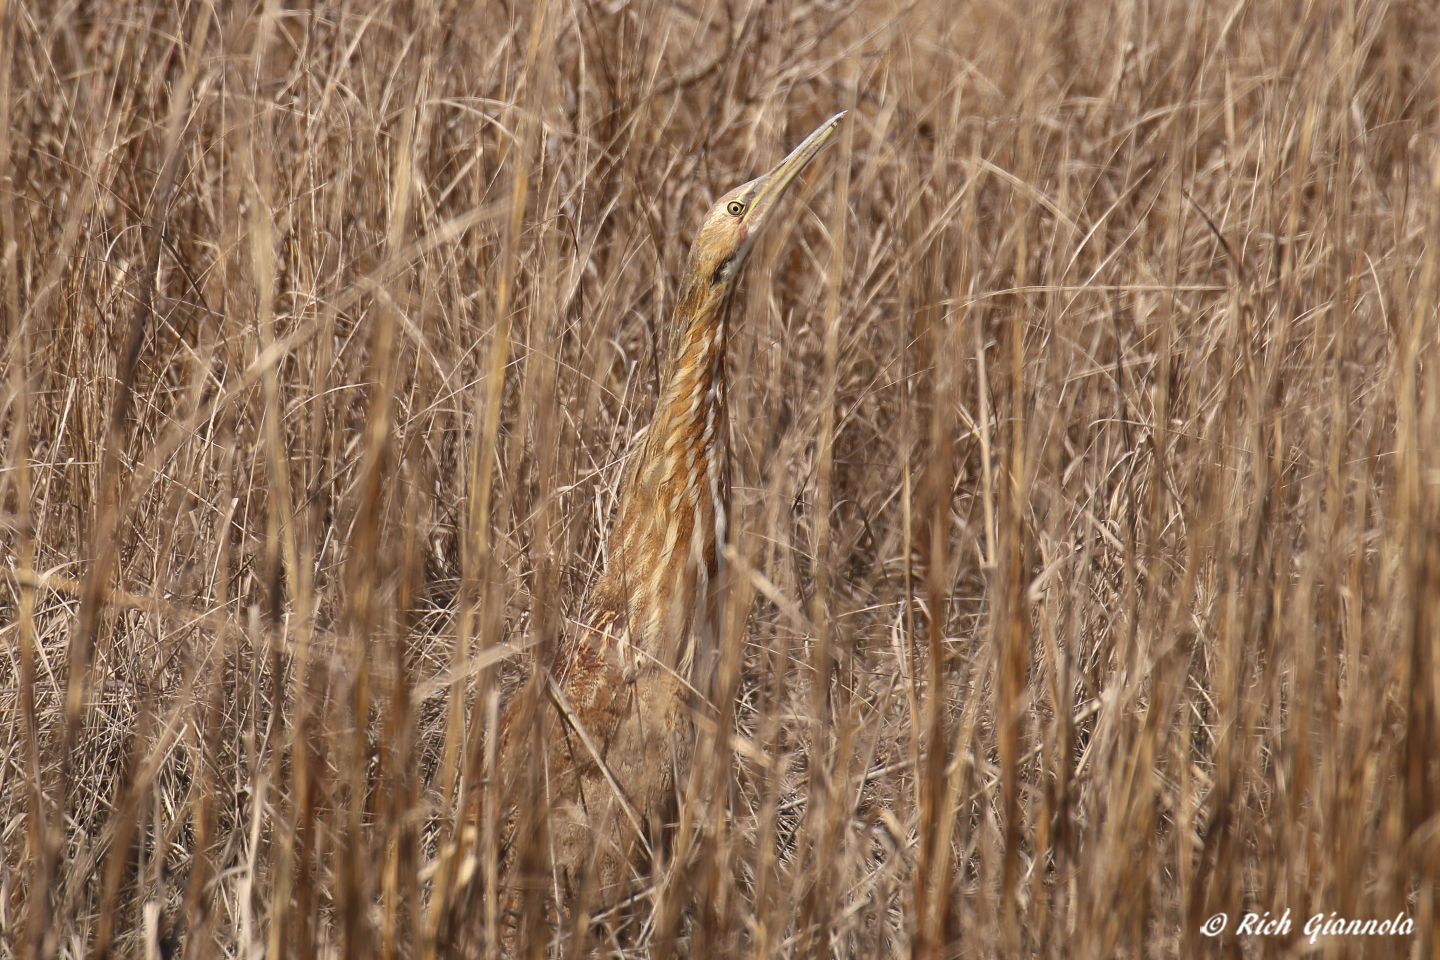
(616, 720)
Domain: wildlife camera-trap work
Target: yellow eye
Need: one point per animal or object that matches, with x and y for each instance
(735, 208)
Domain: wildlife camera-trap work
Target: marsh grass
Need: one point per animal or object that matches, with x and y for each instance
(1086, 539)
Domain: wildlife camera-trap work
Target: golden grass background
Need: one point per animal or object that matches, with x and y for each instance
(1087, 500)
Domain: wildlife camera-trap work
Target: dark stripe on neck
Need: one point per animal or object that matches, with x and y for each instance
(722, 270)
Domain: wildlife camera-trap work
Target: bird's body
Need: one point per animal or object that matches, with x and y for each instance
(625, 681)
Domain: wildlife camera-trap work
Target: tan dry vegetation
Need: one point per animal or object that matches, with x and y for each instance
(1083, 412)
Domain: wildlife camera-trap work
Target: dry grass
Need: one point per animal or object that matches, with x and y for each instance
(1085, 424)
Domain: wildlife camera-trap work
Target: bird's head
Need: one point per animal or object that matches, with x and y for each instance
(737, 219)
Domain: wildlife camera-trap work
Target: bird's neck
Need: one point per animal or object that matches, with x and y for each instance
(675, 498)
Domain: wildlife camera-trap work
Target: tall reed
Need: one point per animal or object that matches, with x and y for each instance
(1087, 512)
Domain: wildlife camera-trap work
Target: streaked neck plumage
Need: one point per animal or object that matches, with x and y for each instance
(660, 594)
(666, 550)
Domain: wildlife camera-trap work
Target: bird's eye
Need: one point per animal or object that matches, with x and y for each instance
(735, 208)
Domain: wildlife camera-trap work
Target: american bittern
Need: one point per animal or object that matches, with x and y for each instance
(625, 682)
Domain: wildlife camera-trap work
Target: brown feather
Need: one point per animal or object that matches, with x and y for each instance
(627, 681)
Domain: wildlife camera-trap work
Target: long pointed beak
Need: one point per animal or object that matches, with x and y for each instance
(772, 185)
